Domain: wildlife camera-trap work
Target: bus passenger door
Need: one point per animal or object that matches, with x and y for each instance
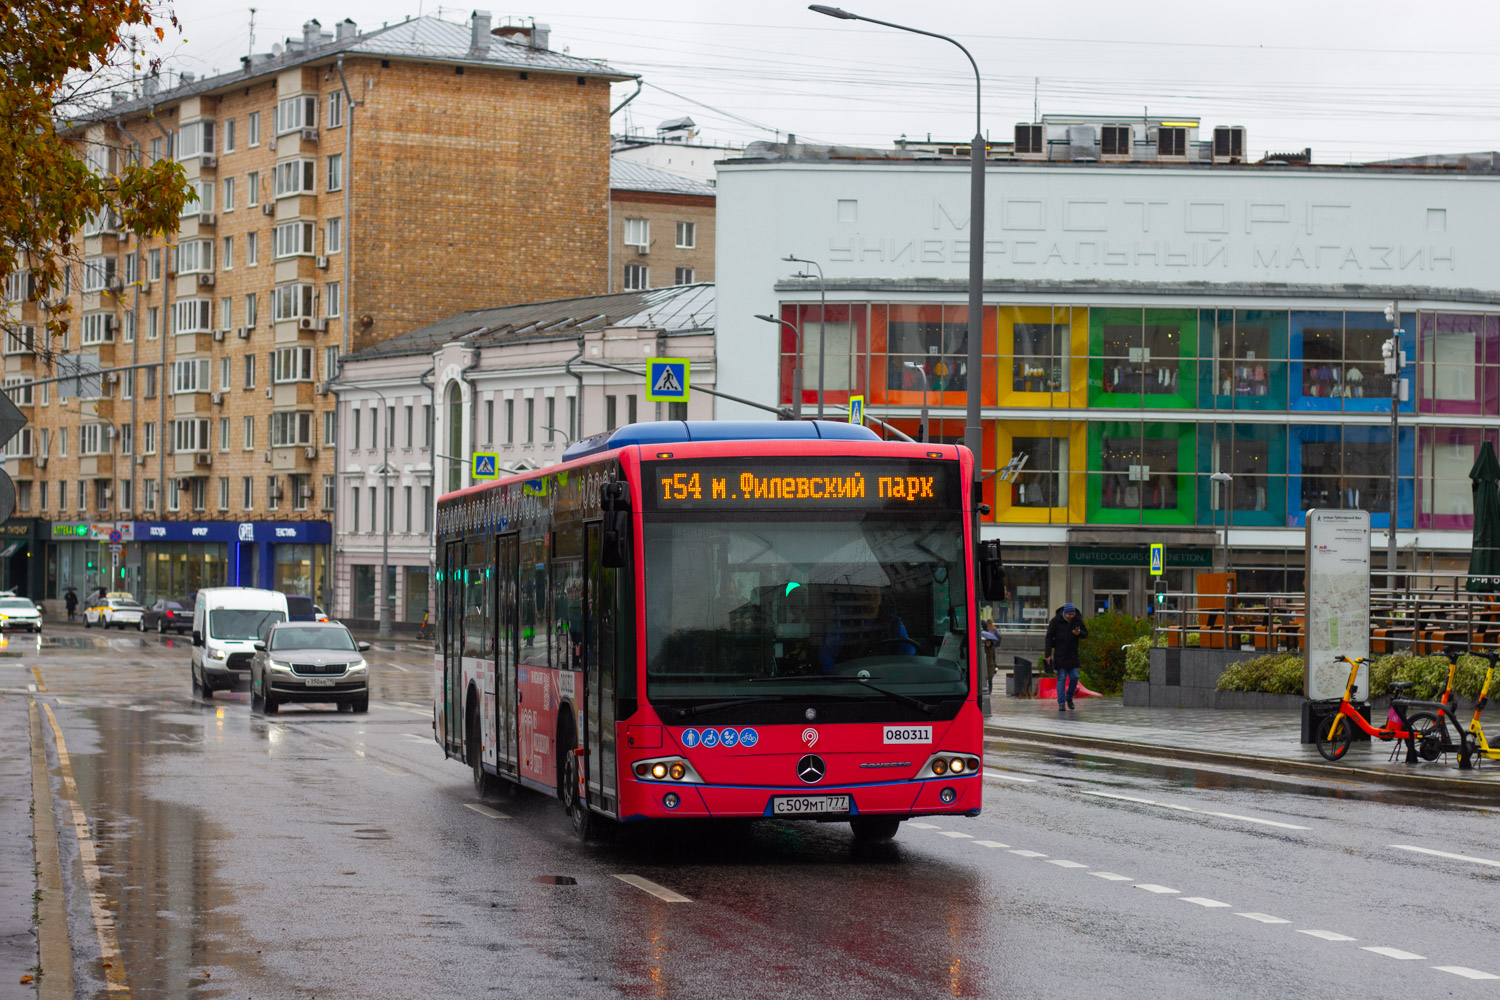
(507, 618)
(451, 603)
(600, 657)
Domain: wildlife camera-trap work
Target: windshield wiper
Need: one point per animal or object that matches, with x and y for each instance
(905, 699)
(714, 706)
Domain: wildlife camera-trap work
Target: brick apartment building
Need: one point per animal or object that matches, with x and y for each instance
(472, 168)
(661, 227)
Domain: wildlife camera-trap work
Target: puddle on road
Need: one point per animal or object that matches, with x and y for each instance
(156, 859)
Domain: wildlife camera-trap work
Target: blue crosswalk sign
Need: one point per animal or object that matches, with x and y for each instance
(486, 465)
(667, 379)
(1156, 558)
(857, 410)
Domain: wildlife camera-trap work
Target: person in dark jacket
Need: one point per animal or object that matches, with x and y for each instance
(71, 601)
(1064, 633)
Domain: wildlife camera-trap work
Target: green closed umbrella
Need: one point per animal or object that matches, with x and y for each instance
(1484, 558)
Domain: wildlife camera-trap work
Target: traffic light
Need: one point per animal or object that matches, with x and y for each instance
(1161, 598)
(92, 565)
(11, 422)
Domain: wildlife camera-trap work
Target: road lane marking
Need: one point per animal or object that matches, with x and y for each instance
(104, 924)
(924, 826)
(484, 810)
(1467, 973)
(397, 666)
(1158, 889)
(41, 685)
(1447, 854)
(659, 891)
(955, 833)
(1029, 854)
(1112, 877)
(1009, 777)
(392, 770)
(1264, 918)
(1203, 901)
(1396, 953)
(1189, 809)
(1326, 935)
(990, 843)
(1067, 864)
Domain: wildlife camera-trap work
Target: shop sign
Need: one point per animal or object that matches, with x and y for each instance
(1138, 555)
(71, 529)
(11, 529)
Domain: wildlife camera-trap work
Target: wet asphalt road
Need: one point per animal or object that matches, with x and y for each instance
(315, 854)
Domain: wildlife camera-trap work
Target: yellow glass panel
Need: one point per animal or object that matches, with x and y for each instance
(1043, 356)
(1049, 486)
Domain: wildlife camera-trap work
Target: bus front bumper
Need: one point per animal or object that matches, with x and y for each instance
(672, 799)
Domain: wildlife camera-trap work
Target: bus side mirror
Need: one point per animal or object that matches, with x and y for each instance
(615, 538)
(991, 571)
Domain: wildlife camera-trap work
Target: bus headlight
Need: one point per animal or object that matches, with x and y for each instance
(666, 769)
(949, 764)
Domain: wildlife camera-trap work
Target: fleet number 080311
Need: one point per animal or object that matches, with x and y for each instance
(908, 734)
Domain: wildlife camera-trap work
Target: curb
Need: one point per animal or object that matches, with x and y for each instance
(54, 948)
(1483, 788)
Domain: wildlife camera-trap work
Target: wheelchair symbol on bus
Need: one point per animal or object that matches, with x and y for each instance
(710, 738)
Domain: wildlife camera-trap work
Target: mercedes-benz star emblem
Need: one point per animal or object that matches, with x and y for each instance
(811, 769)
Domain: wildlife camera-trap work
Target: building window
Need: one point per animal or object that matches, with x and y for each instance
(292, 239)
(333, 236)
(228, 254)
(293, 113)
(249, 434)
(332, 299)
(637, 232)
(229, 193)
(194, 139)
(291, 428)
(336, 172)
(427, 509)
(510, 421)
(98, 273)
(229, 136)
(98, 328)
(610, 413)
(426, 425)
(252, 188)
(192, 316)
(247, 492)
(677, 411)
(273, 493)
(205, 201)
(292, 302)
(252, 249)
(174, 494)
(223, 492)
(330, 427)
(294, 177)
(687, 235)
(189, 375)
(373, 513)
(354, 508)
(530, 420)
(406, 498)
(329, 485)
(335, 103)
(252, 128)
(153, 321)
(354, 428)
(489, 421)
(190, 434)
(250, 304)
(683, 276)
(637, 277)
(226, 313)
(408, 425)
(195, 257)
(200, 493)
(155, 157)
(150, 386)
(293, 364)
(226, 370)
(127, 439)
(92, 439)
(301, 492)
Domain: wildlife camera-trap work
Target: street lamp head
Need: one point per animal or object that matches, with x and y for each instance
(768, 319)
(842, 15)
(792, 257)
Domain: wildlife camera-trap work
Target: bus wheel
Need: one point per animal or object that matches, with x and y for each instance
(873, 829)
(486, 785)
(585, 823)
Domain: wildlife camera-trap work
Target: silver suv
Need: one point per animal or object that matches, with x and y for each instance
(309, 661)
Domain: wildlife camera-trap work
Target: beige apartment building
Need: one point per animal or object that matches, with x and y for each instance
(351, 186)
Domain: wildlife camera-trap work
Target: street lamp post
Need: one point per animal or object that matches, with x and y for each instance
(1226, 482)
(822, 318)
(973, 437)
(796, 365)
(917, 366)
(1393, 369)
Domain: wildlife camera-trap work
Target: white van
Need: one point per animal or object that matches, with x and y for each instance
(227, 623)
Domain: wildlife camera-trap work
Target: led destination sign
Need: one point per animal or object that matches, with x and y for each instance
(879, 485)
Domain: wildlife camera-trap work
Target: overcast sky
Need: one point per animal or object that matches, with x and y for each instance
(1354, 81)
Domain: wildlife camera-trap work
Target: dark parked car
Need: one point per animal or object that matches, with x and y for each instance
(300, 608)
(309, 661)
(168, 615)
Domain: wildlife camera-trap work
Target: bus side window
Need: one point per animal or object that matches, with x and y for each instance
(567, 595)
(534, 631)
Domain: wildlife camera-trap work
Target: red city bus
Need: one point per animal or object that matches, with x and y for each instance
(716, 619)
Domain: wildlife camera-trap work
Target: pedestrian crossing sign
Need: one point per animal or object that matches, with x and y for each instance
(857, 410)
(667, 380)
(486, 465)
(1156, 558)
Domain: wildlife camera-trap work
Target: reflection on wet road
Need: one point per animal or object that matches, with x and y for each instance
(319, 854)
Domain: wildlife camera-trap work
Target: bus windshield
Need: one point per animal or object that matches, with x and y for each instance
(766, 608)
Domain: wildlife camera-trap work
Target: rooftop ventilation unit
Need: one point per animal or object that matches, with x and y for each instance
(1229, 144)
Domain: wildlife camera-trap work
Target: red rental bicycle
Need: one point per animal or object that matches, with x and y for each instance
(1422, 732)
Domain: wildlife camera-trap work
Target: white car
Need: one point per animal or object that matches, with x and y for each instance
(113, 611)
(17, 614)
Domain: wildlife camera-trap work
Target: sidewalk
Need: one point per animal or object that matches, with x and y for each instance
(1260, 740)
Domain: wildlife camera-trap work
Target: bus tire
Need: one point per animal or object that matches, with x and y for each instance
(486, 785)
(874, 829)
(586, 825)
